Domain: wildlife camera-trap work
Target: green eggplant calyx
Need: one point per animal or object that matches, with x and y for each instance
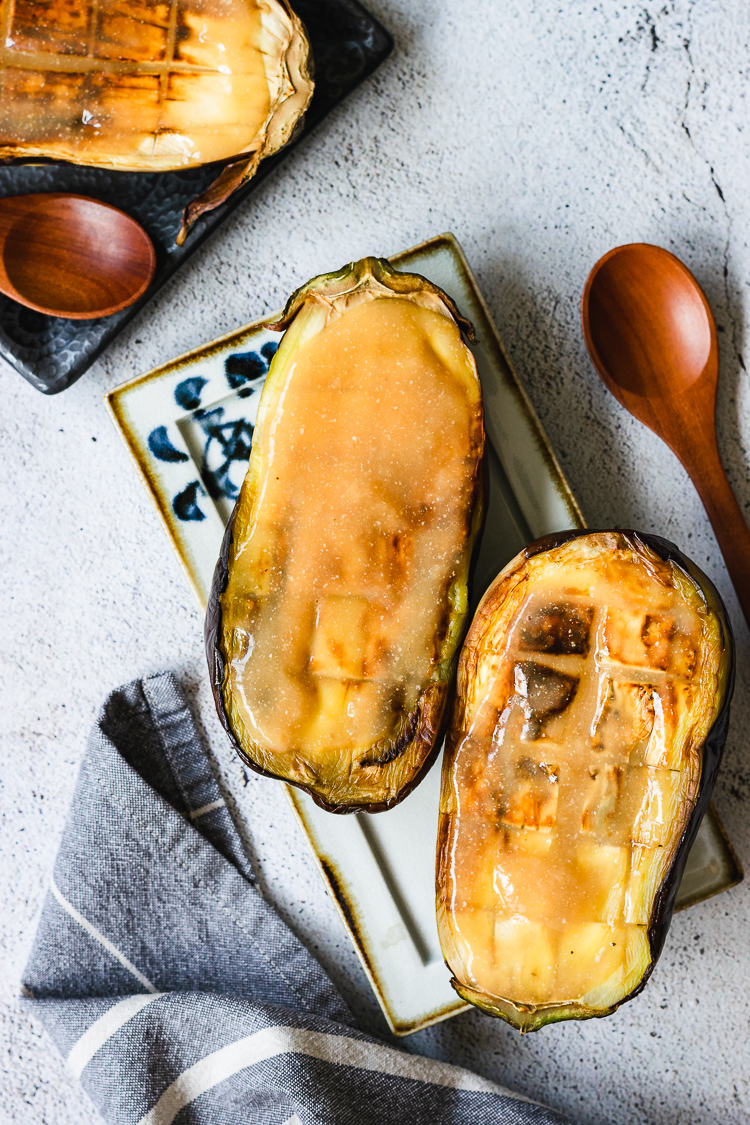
(374, 276)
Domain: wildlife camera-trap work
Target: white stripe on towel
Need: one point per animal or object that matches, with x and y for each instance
(83, 1051)
(253, 1049)
(100, 937)
(207, 808)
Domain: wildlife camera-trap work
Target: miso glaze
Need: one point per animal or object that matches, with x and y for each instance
(347, 563)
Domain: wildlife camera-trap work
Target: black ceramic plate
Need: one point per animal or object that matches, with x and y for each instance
(347, 44)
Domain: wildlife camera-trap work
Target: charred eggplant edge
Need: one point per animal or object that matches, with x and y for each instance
(532, 1018)
(283, 126)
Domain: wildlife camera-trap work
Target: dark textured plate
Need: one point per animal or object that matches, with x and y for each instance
(348, 44)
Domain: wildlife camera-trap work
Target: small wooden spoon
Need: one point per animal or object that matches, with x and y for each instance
(652, 338)
(71, 256)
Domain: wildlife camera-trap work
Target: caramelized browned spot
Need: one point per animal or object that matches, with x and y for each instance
(532, 801)
(557, 629)
(544, 693)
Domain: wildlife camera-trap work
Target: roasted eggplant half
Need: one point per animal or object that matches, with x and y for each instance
(140, 86)
(339, 601)
(591, 711)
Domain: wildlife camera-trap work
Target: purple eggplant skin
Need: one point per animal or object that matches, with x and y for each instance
(211, 634)
(713, 747)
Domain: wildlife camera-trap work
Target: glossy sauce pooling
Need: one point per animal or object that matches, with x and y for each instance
(572, 781)
(133, 82)
(339, 596)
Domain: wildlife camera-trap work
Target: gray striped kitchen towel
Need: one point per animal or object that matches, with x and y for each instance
(174, 991)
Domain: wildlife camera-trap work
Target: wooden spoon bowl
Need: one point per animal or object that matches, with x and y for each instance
(651, 336)
(648, 322)
(71, 256)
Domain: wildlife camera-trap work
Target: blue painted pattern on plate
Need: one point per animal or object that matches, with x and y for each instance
(218, 433)
(230, 442)
(188, 393)
(185, 503)
(162, 448)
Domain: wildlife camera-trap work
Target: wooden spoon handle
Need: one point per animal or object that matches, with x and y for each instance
(727, 520)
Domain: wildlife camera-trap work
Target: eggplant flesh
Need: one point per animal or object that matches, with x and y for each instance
(340, 598)
(139, 86)
(591, 712)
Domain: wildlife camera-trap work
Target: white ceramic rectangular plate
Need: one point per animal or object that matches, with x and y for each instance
(189, 426)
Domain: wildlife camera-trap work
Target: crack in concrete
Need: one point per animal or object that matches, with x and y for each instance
(647, 26)
(639, 148)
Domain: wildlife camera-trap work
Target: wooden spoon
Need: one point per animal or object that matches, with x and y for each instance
(71, 256)
(652, 338)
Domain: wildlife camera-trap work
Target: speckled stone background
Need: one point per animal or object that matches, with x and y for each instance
(542, 134)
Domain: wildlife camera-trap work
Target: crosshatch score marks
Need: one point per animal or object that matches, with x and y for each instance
(129, 81)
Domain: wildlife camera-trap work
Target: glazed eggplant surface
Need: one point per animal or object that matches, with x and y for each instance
(347, 559)
(146, 86)
(590, 680)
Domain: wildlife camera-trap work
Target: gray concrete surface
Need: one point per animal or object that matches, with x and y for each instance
(542, 134)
